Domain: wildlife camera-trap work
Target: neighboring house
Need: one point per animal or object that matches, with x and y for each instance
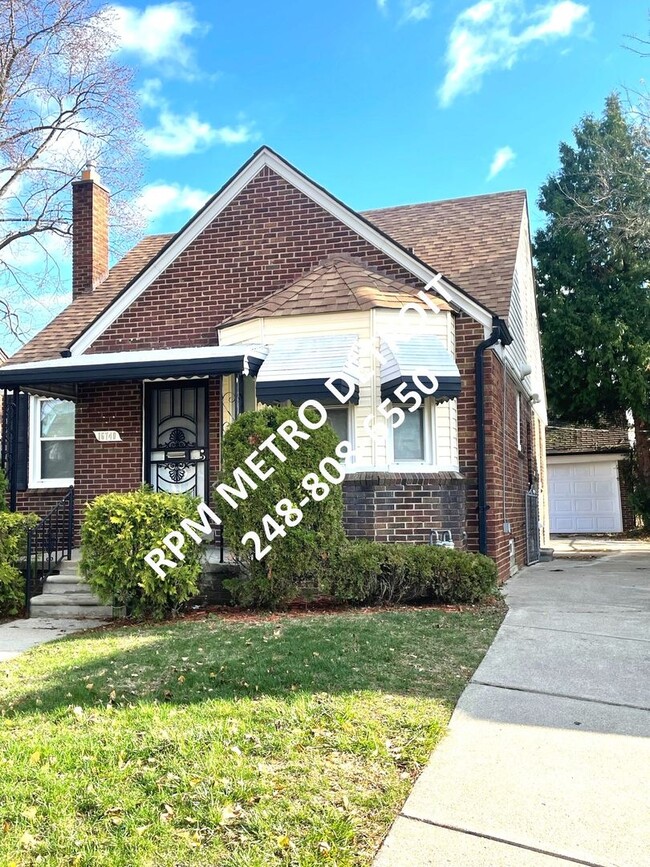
(270, 289)
(589, 490)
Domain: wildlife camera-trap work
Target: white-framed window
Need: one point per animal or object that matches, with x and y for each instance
(51, 443)
(412, 442)
(519, 448)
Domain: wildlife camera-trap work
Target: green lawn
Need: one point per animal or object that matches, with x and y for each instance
(279, 740)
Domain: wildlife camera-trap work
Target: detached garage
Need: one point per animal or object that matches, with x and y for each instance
(587, 492)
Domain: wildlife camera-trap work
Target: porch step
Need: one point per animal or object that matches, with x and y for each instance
(67, 594)
(70, 611)
(71, 578)
(81, 597)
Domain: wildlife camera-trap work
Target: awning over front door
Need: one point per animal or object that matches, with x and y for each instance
(297, 369)
(416, 358)
(44, 376)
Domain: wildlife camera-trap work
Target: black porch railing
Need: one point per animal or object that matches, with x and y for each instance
(48, 542)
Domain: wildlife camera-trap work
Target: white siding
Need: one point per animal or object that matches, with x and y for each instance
(368, 326)
(524, 325)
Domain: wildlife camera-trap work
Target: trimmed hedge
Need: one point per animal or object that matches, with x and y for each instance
(13, 548)
(118, 531)
(295, 565)
(375, 572)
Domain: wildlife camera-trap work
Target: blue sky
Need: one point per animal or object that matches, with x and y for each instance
(383, 102)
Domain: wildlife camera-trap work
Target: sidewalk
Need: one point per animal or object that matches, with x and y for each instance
(547, 757)
(20, 635)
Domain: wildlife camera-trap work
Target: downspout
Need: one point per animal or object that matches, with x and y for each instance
(499, 333)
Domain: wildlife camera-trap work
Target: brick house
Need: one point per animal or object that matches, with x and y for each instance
(273, 287)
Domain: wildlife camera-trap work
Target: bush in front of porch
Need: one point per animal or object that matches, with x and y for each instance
(13, 547)
(295, 512)
(118, 531)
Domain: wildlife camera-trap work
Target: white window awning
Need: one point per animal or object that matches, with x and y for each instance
(409, 358)
(297, 369)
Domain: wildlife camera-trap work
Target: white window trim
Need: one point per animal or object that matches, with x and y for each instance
(35, 480)
(519, 441)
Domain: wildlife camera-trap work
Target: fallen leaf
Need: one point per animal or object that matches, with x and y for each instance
(30, 813)
(35, 758)
(283, 842)
(28, 840)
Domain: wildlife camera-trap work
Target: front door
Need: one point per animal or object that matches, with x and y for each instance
(176, 436)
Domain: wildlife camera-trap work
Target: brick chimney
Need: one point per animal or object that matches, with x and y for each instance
(90, 202)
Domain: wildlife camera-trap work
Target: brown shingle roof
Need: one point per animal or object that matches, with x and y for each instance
(583, 440)
(78, 315)
(473, 241)
(340, 283)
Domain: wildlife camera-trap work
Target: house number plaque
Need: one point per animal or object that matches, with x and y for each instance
(108, 436)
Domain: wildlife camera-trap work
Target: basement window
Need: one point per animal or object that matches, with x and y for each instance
(51, 443)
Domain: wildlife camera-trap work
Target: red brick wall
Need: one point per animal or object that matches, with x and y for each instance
(404, 507)
(468, 335)
(499, 456)
(509, 470)
(268, 236)
(39, 501)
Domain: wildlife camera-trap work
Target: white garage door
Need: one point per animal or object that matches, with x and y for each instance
(584, 496)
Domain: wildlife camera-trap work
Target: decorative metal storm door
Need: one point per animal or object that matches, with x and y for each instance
(176, 434)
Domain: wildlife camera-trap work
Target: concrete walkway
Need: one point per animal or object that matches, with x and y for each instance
(19, 635)
(547, 760)
(578, 545)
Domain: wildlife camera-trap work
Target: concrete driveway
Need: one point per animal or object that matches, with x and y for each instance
(547, 760)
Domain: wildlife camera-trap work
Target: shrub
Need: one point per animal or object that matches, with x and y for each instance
(118, 531)
(374, 572)
(295, 564)
(13, 539)
(4, 487)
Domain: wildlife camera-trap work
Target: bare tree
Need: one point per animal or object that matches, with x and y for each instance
(64, 100)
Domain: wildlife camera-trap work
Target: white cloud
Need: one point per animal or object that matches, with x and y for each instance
(178, 135)
(416, 11)
(502, 157)
(381, 4)
(160, 199)
(493, 34)
(150, 93)
(231, 135)
(157, 34)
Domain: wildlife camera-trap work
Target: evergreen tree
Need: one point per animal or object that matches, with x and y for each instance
(593, 275)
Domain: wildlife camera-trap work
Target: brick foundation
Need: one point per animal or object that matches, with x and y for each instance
(404, 507)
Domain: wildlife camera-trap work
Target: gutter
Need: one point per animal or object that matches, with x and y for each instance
(500, 333)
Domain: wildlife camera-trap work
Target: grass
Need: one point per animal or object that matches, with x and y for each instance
(278, 740)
